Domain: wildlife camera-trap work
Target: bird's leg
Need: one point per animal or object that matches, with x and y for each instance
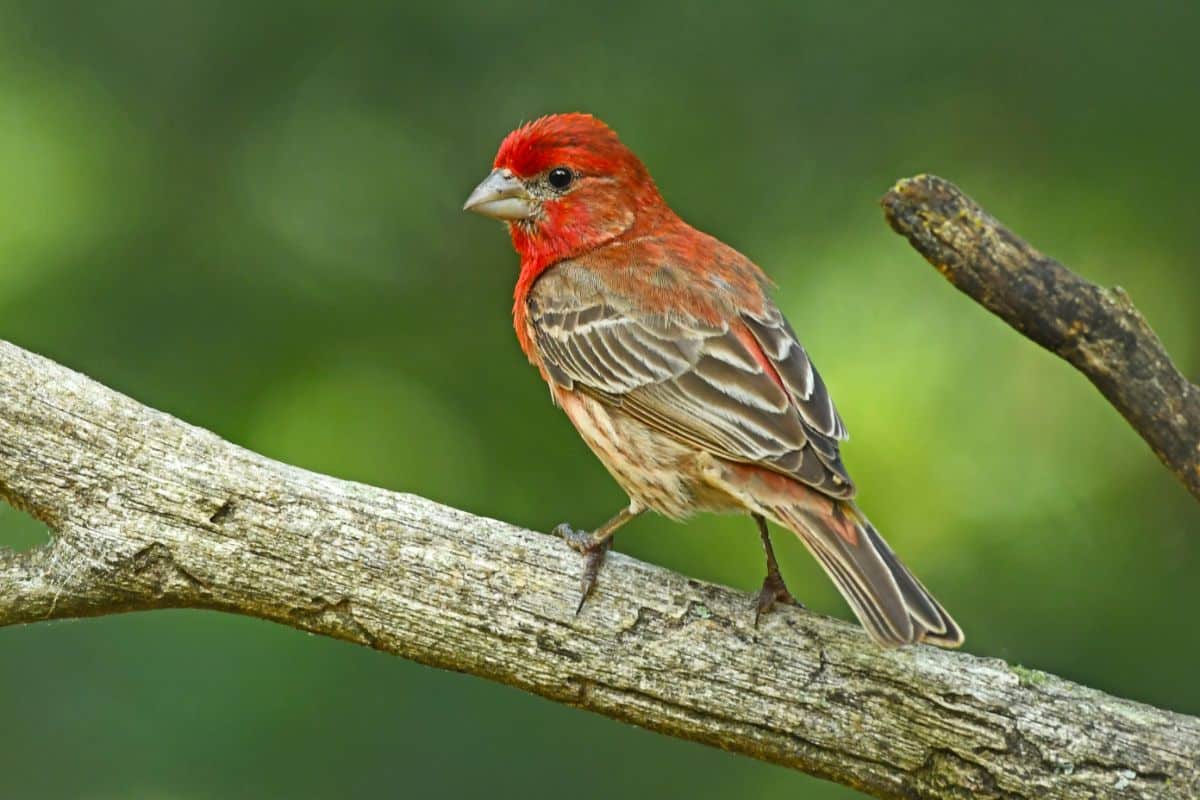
(773, 588)
(594, 546)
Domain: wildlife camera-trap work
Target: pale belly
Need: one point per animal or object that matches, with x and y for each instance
(656, 471)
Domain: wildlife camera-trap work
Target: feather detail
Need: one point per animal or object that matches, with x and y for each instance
(893, 606)
(694, 371)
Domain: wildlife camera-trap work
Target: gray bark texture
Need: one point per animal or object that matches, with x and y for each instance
(148, 512)
(1096, 330)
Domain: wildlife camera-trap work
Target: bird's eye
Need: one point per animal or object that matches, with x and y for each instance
(560, 178)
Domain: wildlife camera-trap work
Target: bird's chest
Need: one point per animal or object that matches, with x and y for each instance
(654, 470)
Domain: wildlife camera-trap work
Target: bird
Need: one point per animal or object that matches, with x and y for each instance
(664, 348)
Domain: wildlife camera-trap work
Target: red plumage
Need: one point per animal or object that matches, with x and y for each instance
(664, 348)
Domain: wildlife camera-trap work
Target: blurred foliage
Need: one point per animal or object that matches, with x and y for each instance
(247, 215)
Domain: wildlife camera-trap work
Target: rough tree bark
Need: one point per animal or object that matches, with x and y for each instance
(148, 512)
(1097, 330)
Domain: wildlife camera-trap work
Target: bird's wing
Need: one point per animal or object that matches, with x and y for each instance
(744, 390)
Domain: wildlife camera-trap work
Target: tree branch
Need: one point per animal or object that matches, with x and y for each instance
(149, 512)
(1098, 331)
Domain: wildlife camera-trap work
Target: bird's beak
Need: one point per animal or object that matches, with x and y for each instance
(500, 196)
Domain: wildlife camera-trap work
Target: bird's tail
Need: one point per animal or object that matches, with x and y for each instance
(890, 602)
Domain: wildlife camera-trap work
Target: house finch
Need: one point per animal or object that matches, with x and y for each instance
(664, 349)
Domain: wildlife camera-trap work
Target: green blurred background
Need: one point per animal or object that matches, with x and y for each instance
(248, 215)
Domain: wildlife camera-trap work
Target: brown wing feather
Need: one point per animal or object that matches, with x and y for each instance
(695, 381)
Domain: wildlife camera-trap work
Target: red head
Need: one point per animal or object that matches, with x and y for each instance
(565, 184)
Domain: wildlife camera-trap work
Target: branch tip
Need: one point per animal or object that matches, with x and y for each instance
(1099, 331)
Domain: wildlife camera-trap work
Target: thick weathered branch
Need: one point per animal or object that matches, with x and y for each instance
(149, 512)
(1097, 330)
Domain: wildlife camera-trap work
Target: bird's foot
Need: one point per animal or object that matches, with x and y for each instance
(773, 591)
(593, 552)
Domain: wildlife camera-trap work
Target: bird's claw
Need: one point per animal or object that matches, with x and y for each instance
(577, 540)
(593, 553)
(773, 591)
